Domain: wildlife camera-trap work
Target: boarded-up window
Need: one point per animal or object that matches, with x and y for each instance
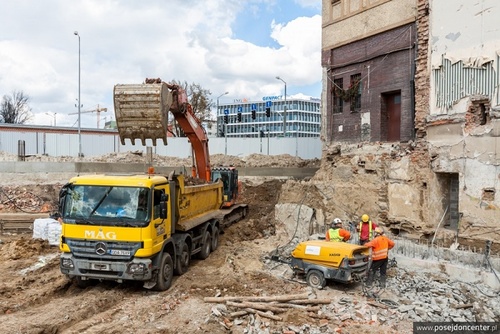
(355, 88)
(338, 103)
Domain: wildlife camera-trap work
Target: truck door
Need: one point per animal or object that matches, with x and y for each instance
(160, 225)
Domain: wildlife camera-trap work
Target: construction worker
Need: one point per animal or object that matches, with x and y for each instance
(336, 232)
(380, 246)
(365, 229)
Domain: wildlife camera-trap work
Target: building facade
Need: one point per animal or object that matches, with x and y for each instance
(424, 72)
(284, 118)
(368, 59)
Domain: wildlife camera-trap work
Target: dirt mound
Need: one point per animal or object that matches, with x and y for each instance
(253, 160)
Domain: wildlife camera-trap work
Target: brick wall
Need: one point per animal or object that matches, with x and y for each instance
(422, 75)
(386, 64)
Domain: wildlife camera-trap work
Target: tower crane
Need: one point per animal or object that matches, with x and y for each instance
(98, 110)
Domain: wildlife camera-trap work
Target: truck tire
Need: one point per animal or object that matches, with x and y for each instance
(183, 260)
(206, 246)
(165, 273)
(316, 279)
(215, 238)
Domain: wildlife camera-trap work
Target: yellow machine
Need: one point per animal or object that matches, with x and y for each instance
(140, 227)
(147, 227)
(320, 260)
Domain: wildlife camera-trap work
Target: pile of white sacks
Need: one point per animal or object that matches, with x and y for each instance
(47, 229)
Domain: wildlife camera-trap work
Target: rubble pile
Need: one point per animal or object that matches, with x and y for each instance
(28, 199)
(439, 299)
(253, 160)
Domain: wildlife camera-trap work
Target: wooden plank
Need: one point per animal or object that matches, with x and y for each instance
(18, 222)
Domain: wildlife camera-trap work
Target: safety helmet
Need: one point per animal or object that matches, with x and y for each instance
(365, 218)
(379, 230)
(337, 221)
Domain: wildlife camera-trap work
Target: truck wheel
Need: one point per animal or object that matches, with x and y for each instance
(215, 239)
(205, 246)
(165, 273)
(316, 279)
(183, 260)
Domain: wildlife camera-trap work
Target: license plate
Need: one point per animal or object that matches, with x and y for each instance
(119, 252)
(99, 266)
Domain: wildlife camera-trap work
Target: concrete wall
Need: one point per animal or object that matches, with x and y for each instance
(346, 21)
(464, 43)
(67, 144)
(463, 122)
(16, 169)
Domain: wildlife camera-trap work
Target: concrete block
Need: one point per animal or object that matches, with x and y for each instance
(403, 202)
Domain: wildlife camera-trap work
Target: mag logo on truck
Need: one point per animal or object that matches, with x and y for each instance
(100, 235)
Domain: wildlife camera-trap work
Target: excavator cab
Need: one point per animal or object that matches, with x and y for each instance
(229, 177)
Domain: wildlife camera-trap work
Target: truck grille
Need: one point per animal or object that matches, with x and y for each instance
(103, 250)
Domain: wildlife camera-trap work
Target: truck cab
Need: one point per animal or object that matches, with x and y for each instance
(136, 227)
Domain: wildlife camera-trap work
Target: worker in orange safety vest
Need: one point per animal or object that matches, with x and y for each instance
(380, 246)
(365, 229)
(336, 232)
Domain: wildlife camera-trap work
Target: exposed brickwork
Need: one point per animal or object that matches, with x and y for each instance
(385, 62)
(422, 77)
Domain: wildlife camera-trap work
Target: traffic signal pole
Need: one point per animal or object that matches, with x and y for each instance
(225, 139)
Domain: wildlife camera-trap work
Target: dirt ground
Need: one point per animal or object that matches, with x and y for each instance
(36, 298)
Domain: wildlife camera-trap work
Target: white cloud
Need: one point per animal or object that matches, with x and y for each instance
(125, 42)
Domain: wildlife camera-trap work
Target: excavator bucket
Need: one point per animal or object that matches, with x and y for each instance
(141, 111)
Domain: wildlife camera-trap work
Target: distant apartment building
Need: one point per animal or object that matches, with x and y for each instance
(272, 116)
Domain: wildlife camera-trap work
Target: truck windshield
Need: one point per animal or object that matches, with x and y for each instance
(108, 205)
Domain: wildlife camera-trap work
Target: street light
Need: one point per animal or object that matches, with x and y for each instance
(284, 109)
(53, 115)
(79, 102)
(225, 125)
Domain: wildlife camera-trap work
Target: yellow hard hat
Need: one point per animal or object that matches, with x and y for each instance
(365, 218)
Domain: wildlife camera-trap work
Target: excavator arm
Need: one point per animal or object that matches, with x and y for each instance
(142, 113)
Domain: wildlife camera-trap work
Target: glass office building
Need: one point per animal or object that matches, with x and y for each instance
(302, 118)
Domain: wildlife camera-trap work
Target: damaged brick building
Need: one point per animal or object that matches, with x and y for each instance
(410, 89)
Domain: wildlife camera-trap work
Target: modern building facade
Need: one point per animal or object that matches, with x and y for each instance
(284, 118)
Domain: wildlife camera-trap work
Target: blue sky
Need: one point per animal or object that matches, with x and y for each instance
(223, 45)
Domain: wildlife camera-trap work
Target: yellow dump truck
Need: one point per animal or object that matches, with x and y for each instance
(320, 260)
(137, 227)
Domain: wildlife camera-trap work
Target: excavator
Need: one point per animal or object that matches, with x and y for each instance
(141, 112)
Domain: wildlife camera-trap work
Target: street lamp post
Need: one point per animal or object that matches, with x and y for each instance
(284, 109)
(225, 125)
(79, 102)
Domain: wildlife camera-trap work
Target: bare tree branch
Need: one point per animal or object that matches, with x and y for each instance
(15, 109)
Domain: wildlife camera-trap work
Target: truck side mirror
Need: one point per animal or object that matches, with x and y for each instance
(62, 198)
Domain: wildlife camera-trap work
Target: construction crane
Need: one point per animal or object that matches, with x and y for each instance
(98, 110)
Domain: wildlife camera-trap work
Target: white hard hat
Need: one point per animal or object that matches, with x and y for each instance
(337, 221)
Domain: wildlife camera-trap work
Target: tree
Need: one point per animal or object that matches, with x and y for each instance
(198, 98)
(15, 109)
